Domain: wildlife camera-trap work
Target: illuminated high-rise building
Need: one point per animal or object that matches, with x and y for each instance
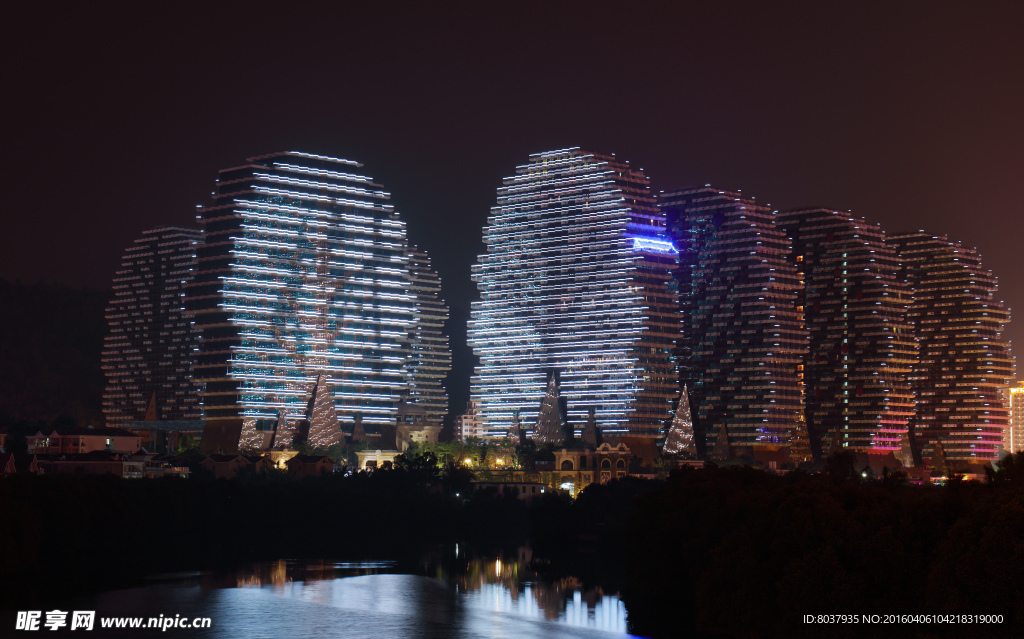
(1015, 440)
(150, 344)
(743, 342)
(431, 358)
(964, 360)
(303, 283)
(862, 344)
(576, 278)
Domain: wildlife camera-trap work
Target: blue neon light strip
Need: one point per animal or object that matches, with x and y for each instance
(651, 244)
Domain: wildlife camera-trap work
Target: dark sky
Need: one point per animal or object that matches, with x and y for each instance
(909, 113)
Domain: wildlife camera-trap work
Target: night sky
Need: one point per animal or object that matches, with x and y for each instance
(908, 113)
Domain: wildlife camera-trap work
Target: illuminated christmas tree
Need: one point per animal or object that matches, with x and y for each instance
(251, 439)
(515, 432)
(551, 421)
(679, 440)
(906, 453)
(283, 432)
(323, 421)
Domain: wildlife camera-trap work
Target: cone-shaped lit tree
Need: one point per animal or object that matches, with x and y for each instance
(679, 440)
(515, 432)
(323, 420)
(836, 444)
(722, 450)
(906, 453)
(283, 432)
(939, 463)
(251, 439)
(358, 432)
(551, 421)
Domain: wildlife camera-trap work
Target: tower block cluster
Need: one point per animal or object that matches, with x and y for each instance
(695, 318)
(303, 310)
(798, 333)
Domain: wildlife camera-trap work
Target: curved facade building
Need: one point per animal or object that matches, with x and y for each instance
(148, 350)
(743, 341)
(964, 359)
(862, 344)
(305, 273)
(576, 279)
(431, 358)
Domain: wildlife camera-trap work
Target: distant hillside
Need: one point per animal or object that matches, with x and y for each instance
(51, 337)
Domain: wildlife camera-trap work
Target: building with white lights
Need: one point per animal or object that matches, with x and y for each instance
(743, 341)
(862, 345)
(431, 359)
(576, 278)
(304, 278)
(964, 359)
(150, 342)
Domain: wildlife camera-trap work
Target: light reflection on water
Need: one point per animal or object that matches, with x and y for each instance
(489, 599)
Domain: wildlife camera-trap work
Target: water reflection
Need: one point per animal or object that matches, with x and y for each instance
(508, 585)
(280, 572)
(452, 596)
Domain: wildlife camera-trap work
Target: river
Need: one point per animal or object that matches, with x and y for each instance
(436, 596)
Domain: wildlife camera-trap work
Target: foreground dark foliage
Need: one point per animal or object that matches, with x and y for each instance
(712, 552)
(738, 552)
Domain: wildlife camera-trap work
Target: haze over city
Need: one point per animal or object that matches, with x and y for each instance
(907, 114)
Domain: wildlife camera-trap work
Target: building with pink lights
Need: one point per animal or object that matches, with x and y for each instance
(862, 345)
(964, 359)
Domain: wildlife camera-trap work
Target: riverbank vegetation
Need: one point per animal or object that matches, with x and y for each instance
(708, 551)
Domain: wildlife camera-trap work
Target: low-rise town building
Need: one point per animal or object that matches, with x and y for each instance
(522, 490)
(77, 441)
(231, 466)
(96, 462)
(373, 459)
(310, 465)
